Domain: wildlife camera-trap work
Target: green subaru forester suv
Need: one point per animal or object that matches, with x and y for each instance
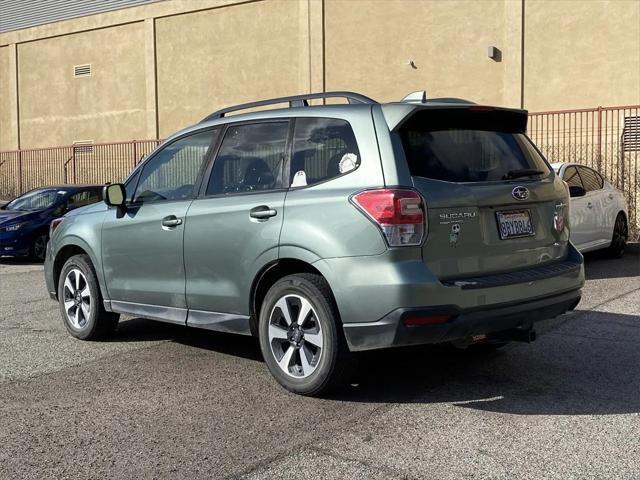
(328, 229)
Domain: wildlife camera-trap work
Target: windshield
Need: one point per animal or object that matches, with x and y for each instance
(466, 148)
(37, 199)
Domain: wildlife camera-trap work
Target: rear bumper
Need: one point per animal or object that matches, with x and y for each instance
(367, 289)
(390, 331)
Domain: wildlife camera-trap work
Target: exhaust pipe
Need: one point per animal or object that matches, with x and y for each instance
(515, 335)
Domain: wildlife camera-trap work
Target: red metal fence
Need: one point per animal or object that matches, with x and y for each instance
(22, 170)
(606, 138)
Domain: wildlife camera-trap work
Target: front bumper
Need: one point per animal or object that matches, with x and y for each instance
(463, 323)
(15, 244)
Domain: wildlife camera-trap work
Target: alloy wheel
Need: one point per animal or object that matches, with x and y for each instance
(295, 336)
(620, 233)
(40, 247)
(77, 299)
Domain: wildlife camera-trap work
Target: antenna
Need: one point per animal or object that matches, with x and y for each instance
(419, 96)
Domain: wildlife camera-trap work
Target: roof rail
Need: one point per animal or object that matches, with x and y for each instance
(294, 101)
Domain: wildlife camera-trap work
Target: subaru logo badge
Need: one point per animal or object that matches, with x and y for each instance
(520, 193)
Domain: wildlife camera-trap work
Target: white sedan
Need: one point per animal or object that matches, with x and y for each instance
(598, 217)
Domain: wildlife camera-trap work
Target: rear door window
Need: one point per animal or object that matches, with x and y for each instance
(572, 177)
(591, 179)
(250, 159)
(323, 148)
(464, 146)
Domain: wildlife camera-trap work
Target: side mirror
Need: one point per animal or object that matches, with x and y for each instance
(576, 191)
(114, 195)
(60, 210)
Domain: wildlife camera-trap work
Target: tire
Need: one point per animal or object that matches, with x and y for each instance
(327, 362)
(80, 300)
(39, 247)
(619, 237)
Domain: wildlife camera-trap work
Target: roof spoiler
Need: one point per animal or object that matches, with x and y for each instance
(512, 119)
(420, 96)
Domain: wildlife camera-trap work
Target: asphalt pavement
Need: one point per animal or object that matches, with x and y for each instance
(163, 401)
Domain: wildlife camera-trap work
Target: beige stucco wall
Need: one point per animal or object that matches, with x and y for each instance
(220, 57)
(368, 48)
(58, 109)
(190, 57)
(581, 54)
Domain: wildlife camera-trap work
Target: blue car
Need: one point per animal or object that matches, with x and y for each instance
(24, 222)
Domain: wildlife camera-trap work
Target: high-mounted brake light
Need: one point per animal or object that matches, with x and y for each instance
(481, 108)
(400, 214)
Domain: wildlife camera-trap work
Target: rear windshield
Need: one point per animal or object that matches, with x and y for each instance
(464, 146)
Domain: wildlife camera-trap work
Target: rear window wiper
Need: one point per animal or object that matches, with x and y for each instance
(525, 172)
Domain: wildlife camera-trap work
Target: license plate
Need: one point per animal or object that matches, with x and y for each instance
(515, 224)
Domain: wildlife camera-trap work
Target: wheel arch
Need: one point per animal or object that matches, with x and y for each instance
(270, 274)
(68, 250)
(624, 215)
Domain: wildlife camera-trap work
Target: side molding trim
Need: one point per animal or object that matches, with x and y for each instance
(152, 312)
(220, 322)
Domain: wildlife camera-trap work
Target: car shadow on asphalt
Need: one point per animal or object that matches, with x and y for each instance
(19, 261)
(143, 330)
(568, 371)
(589, 369)
(598, 265)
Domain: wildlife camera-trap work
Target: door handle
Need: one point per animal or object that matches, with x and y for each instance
(171, 221)
(263, 212)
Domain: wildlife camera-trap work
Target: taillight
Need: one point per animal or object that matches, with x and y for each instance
(399, 213)
(55, 223)
(566, 189)
(563, 211)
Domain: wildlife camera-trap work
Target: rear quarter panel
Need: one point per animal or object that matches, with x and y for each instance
(319, 219)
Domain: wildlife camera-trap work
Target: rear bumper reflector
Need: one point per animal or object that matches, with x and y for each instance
(414, 320)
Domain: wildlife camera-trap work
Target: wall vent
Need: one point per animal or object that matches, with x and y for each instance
(83, 146)
(82, 70)
(631, 134)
